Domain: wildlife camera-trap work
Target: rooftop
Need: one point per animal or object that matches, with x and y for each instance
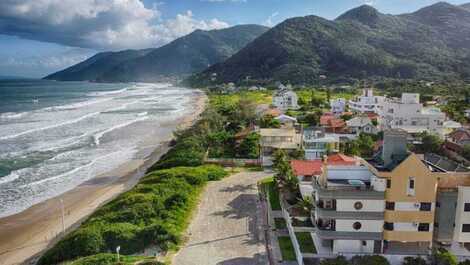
(306, 167)
(288, 132)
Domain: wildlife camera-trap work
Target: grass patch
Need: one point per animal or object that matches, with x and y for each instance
(306, 242)
(259, 97)
(156, 211)
(111, 259)
(287, 249)
(280, 223)
(269, 186)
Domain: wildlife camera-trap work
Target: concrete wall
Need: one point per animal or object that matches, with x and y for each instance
(346, 205)
(461, 216)
(411, 206)
(353, 246)
(366, 225)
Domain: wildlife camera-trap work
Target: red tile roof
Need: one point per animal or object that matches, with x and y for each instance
(273, 112)
(325, 118)
(306, 167)
(341, 160)
(314, 167)
(460, 135)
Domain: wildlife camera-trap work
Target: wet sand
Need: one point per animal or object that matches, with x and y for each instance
(24, 236)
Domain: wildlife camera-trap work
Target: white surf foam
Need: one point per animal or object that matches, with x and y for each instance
(49, 127)
(97, 137)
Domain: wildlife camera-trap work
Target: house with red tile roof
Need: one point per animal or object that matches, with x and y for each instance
(307, 170)
(331, 123)
(457, 140)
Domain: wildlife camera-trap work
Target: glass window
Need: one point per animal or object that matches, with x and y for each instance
(358, 205)
(357, 225)
(466, 207)
(390, 206)
(389, 183)
(388, 226)
(466, 228)
(425, 206)
(423, 227)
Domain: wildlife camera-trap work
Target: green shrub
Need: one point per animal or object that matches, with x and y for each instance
(156, 211)
(336, 261)
(111, 259)
(369, 260)
(414, 261)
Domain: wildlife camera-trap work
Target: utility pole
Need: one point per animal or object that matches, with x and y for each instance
(63, 215)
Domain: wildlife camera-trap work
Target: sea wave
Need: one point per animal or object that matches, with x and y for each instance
(97, 137)
(107, 93)
(78, 105)
(12, 136)
(12, 115)
(94, 161)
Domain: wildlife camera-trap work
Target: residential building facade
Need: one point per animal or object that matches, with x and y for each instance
(286, 139)
(367, 102)
(409, 114)
(285, 99)
(361, 124)
(338, 106)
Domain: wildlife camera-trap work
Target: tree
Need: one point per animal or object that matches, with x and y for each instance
(366, 145)
(249, 147)
(312, 118)
(268, 121)
(442, 257)
(431, 143)
(306, 204)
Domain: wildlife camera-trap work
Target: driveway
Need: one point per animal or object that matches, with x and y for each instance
(228, 227)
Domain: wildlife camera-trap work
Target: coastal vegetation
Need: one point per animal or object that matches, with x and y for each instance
(155, 212)
(111, 259)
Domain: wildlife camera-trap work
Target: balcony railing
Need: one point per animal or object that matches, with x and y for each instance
(347, 192)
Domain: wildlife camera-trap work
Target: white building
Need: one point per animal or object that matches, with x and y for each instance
(367, 102)
(361, 124)
(409, 114)
(349, 215)
(338, 106)
(285, 99)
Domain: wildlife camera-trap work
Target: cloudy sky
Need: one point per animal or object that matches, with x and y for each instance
(38, 37)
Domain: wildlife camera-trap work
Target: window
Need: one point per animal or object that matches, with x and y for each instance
(390, 206)
(357, 225)
(364, 243)
(411, 187)
(466, 228)
(423, 227)
(466, 207)
(425, 206)
(438, 204)
(388, 226)
(389, 183)
(358, 205)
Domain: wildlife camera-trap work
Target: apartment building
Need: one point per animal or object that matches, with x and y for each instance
(349, 209)
(285, 99)
(394, 204)
(367, 102)
(409, 114)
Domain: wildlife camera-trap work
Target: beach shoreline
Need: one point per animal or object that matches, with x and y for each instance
(25, 235)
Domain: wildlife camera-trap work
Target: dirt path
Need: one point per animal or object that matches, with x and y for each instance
(227, 229)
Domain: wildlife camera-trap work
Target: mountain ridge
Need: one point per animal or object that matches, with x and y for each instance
(186, 55)
(361, 43)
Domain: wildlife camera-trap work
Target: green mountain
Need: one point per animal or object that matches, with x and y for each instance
(431, 43)
(92, 68)
(189, 54)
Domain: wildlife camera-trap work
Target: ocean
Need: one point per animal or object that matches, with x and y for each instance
(55, 136)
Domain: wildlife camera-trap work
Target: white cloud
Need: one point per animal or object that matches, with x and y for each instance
(97, 24)
(269, 21)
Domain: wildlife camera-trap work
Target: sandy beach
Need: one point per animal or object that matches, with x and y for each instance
(24, 236)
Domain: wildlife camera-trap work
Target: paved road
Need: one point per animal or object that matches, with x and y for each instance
(227, 229)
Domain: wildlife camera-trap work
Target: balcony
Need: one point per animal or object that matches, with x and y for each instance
(347, 192)
(329, 234)
(359, 215)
